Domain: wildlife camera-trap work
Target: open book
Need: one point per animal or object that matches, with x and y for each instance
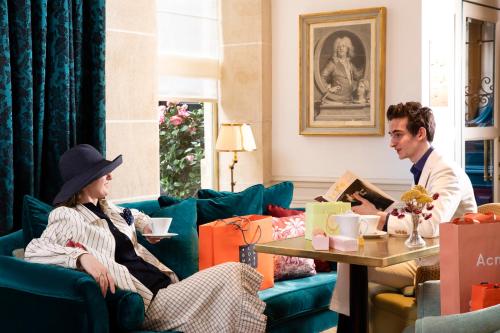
(348, 184)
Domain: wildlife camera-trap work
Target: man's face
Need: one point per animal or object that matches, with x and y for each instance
(405, 144)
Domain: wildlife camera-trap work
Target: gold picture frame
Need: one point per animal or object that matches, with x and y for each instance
(342, 72)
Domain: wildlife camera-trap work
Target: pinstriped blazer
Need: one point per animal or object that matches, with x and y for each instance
(81, 225)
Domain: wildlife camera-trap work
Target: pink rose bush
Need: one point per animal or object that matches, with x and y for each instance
(181, 147)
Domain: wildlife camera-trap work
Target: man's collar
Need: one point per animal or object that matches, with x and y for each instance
(417, 168)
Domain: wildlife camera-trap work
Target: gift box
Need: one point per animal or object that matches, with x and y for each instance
(484, 295)
(233, 239)
(319, 216)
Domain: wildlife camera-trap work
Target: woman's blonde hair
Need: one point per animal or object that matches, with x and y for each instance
(71, 202)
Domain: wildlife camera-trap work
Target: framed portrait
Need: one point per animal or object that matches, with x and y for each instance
(342, 72)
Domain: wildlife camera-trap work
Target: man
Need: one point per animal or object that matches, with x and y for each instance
(411, 128)
(340, 73)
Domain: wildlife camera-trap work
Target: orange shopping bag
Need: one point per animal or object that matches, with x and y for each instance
(484, 295)
(469, 255)
(233, 239)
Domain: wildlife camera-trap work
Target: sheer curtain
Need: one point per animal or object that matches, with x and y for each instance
(188, 46)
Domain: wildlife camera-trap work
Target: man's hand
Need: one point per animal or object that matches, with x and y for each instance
(366, 207)
(98, 271)
(147, 230)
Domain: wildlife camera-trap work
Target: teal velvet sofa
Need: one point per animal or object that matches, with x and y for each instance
(46, 298)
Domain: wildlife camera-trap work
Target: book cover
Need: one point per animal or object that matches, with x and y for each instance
(348, 184)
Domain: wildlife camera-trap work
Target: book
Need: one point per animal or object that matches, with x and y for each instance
(348, 184)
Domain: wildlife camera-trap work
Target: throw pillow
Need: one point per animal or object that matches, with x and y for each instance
(179, 253)
(35, 217)
(286, 267)
(280, 194)
(245, 202)
(277, 211)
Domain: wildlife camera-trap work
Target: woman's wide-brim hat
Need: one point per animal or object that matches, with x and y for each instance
(80, 166)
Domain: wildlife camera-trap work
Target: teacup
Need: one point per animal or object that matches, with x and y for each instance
(160, 225)
(349, 224)
(369, 224)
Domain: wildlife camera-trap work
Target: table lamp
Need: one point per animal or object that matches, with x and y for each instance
(235, 137)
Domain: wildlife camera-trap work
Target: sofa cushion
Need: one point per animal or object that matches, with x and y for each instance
(148, 207)
(280, 194)
(278, 211)
(179, 253)
(246, 202)
(299, 297)
(286, 267)
(34, 217)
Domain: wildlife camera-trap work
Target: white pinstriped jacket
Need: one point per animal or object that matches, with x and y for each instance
(81, 225)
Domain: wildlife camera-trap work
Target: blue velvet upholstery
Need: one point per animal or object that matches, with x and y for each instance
(299, 298)
(245, 202)
(280, 194)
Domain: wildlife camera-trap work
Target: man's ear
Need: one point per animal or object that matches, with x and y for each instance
(422, 134)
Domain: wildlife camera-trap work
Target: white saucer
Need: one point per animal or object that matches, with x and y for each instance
(377, 234)
(399, 235)
(167, 235)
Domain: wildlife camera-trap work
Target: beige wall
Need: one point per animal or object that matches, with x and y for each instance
(245, 86)
(131, 118)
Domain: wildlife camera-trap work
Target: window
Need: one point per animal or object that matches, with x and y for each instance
(188, 74)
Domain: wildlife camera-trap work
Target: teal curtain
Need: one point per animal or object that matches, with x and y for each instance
(51, 94)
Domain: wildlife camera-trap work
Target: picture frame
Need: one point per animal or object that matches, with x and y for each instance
(342, 72)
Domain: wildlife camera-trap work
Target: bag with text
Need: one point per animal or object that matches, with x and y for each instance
(469, 255)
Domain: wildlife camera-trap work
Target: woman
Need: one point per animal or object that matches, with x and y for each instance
(87, 232)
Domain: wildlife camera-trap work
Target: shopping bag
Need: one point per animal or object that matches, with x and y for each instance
(319, 216)
(469, 255)
(484, 295)
(234, 239)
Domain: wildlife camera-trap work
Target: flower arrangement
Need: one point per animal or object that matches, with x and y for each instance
(181, 148)
(418, 203)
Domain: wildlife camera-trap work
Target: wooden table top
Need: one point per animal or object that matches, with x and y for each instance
(378, 252)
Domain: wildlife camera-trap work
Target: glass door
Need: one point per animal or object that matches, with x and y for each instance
(480, 107)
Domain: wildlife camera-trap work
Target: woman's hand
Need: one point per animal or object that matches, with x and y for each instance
(147, 230)
(97, 270)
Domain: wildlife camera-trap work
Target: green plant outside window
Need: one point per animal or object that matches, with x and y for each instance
(181, 148)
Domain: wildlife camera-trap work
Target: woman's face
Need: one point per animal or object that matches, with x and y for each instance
(98, 189)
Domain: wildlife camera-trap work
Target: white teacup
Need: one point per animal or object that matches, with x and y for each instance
(369, 224)
(160, 225)
(349, 224)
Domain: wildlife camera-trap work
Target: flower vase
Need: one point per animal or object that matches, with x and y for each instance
(415, 240)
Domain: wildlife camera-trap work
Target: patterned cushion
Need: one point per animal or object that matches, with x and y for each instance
(286, 267)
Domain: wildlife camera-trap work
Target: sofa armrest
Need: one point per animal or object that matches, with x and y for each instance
(126, 310)
(481, 321)
(429, 299)
(51, 288)
(10, 242)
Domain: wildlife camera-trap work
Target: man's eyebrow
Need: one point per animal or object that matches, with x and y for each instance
(396, 131)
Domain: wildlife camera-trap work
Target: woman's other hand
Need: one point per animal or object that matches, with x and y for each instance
(98, 271)
(151, 239)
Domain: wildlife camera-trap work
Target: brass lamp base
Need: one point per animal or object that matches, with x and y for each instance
(231, 167)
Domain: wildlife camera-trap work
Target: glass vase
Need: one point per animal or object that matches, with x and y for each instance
(415, 240)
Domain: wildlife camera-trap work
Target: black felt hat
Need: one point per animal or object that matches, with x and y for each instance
(79, 166)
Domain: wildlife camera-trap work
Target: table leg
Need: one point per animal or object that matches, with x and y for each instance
(357, 322)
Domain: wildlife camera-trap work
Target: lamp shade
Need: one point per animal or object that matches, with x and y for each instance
(235, 137)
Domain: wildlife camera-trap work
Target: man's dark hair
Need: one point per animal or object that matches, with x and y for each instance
(418, 116)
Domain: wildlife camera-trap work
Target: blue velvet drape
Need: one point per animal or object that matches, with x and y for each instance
(51, 94)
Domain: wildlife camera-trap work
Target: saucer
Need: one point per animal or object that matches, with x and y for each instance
(167, 235)
(377, 234)
(399, 235)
